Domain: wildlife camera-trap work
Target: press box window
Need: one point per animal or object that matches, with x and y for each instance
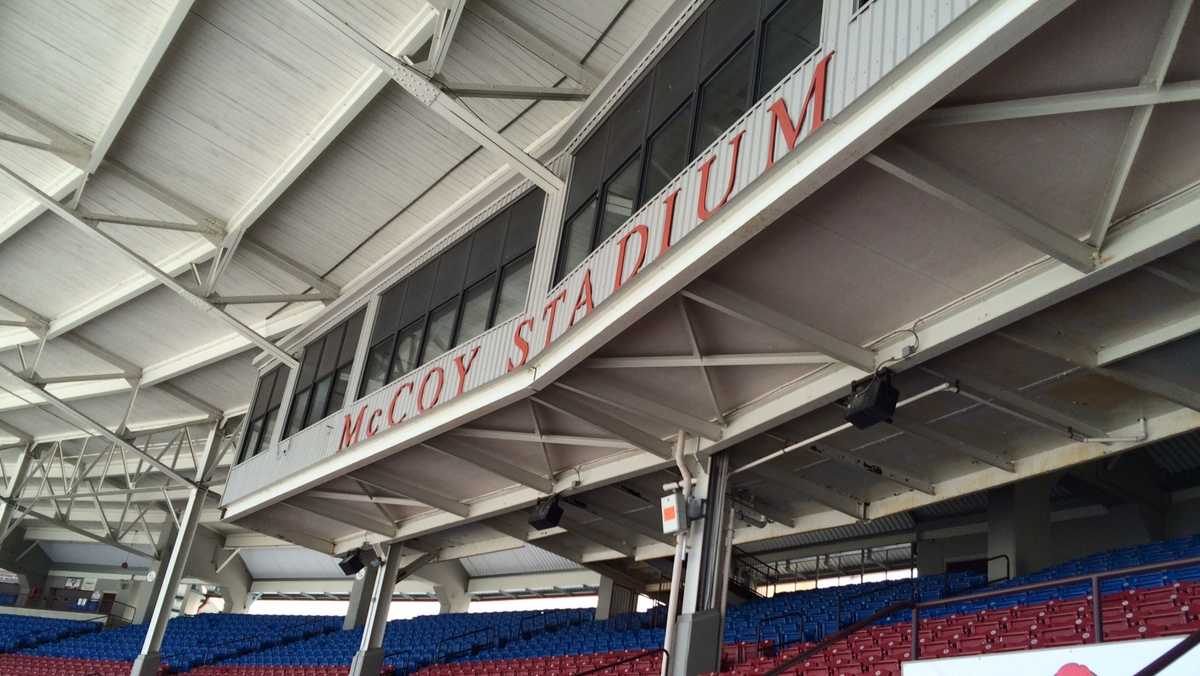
(733, 51)
(324, 374)
(264, 411)
(469, 288)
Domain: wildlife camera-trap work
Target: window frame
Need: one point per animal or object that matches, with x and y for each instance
(466, 283)
(706, 71)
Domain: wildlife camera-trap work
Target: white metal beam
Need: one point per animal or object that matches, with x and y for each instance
(825, 495)
(391, 482)
(938, 181)
(734, 304)
(268, 298)
(1023, 406)
(533, 437)
(443, 36)
(1185, 278)
(86, 423)
(163, 278)
(589, 532)
(361, 497)
(482, 90)
(621, 397)
(1062, 104)
(825, 450)
(170, 368)
(711, 360)
(572, 406)
(487, 461)
(364, 90)
(445, 105)
(141, 77)
(65, 524)
(922, 431)
(1138, 122)
(335, 511)
(540, 47)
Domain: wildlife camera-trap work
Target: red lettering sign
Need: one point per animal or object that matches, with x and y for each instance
(782, 119)
(584, 299)
(643, 234)
(464, 369)
(437, 392)
(350, 434)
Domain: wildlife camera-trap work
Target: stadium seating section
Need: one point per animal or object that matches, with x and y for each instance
(760, 635)
(20, 631)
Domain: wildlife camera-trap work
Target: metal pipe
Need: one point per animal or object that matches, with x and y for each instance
(677, 563)
(840, 428)
(1121, 440)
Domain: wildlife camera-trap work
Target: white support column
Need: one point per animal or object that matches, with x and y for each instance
(12, 486)
(369, 658)
(545, 256)
(147, 663)
(171, 571)
(357, 369)
(360, 598)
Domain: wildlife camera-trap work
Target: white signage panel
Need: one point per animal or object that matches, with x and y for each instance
(1121, 658)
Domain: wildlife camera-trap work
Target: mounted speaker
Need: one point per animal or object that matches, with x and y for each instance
(872, 401)
(351, 563)
(546, 513)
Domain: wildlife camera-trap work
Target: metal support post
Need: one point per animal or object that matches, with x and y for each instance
(369, 658)
(12, 489)
(148, 662)
(696, 646)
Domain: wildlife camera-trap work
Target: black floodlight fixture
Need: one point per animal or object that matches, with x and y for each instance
(872, 400)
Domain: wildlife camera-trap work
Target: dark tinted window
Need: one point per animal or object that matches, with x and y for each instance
(588, 169)
(486, 247)
(726, 25)
(514, 286)
(724, 97)
(323, 359)
(420, 285)
(790, 34)
(441, 330)
(263, 411)
(676, 73)
(476, 309)
(700, 85)
(452, 265)
(668, 151)
(577, 239)
(628, 127)
(451, 299)
(620, 198)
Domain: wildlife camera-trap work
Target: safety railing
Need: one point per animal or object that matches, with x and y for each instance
(121, 614)
(473, 648)
(839, 635)
(917, 606)
(396, 653)
(561, 618)
(767, 574)
(1168, 658)
(630, 658)
(780, 642)
(1094, 579)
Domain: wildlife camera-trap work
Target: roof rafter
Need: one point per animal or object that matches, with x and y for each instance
(533, 43)
(929, 177)
(364, 90)
(1160, 61)
(734, 304)
(445, 105)
(164, 278)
